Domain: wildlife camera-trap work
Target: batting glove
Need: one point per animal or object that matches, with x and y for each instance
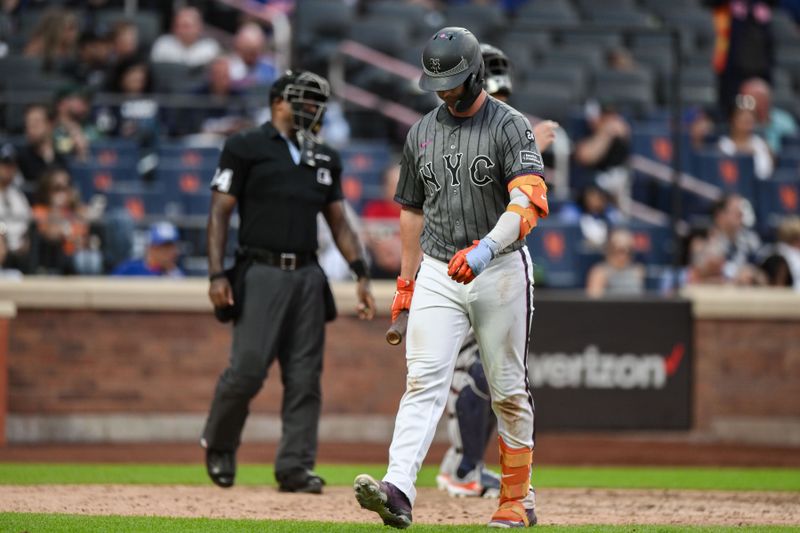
(402, 297)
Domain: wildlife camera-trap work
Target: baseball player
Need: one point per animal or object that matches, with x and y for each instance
(471, 188)
(470, 421)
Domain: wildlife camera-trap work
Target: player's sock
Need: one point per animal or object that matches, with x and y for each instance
(515, 484)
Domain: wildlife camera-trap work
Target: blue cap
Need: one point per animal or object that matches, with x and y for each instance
(163, 233)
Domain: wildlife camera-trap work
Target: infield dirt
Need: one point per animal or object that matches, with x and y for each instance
(554, 506)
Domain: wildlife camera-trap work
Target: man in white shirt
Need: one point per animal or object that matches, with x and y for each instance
(15, 211)
(186, 43)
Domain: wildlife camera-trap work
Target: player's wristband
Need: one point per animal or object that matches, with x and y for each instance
(216, 276)
(359, 268)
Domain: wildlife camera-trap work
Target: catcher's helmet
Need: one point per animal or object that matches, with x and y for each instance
(451, 58)
(498, 70)
(308, 95)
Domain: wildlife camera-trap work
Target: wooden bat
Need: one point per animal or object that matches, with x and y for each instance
(396, 332)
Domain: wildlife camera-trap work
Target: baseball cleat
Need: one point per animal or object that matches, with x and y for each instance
(385, 499)
(506, 519)
(466, 487)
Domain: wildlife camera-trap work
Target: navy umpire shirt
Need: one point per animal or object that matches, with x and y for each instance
(278, 200)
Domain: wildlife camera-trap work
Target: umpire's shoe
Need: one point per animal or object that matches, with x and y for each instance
(304, 481)
(221, 467)
(385, 499)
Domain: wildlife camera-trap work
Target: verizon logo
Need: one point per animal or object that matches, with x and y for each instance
(595, 370)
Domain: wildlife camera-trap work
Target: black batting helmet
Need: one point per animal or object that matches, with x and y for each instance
(308, 95)
(451, 58)
(498, 70)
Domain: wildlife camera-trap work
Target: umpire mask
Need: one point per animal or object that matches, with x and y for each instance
(451, 58)
(308, 95)
(498, 70)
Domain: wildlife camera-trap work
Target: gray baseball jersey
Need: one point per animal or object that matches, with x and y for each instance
(457, 171)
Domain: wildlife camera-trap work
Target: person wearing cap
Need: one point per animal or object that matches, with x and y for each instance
(160, 258)
(15, 211)
(73, 131)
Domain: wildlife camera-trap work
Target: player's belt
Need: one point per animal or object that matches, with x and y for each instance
(282, 260)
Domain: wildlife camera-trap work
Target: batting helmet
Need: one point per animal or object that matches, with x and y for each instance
(451, 58)
(498, 70)
(307, 93)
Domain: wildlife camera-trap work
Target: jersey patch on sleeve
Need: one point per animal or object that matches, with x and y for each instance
(529, 135)
(222, 179)
(528, 158)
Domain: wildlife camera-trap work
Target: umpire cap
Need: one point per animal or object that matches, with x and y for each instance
(498, 70)
(452, 57)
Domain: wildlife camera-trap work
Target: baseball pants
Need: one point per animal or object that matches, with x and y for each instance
(499, 306)
(282, 318)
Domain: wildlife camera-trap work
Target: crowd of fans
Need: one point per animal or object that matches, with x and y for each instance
(45, 227)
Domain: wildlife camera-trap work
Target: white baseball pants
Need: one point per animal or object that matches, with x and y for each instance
(499, 306)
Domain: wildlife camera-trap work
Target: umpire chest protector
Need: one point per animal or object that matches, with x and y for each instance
(278, 200)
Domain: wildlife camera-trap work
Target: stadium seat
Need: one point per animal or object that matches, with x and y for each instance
(421, 20)
(148, 22)
(731, 174)
(484, 20)
(553, 247)
(587, 57)
(548, 12)
(174, 77)
(546, 100)
(601, 39)
(316, 19)
(567, 76)
(776, 198)
(181, 156)
(137, 203)
(389, 37)
(93, 178)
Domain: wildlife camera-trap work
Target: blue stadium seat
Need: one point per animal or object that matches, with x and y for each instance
(776, 198)
(180, 156)
(136, 203)
(93, 178)
(553, 246)
(731, 174)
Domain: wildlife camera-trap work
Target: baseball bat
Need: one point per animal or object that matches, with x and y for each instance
(396, 332)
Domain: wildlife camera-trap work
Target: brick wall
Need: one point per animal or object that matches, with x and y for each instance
(746, 369)
(73, 362)
(142, 362)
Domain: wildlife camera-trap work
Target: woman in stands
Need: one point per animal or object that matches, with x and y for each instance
(63, 243)
(742, 139)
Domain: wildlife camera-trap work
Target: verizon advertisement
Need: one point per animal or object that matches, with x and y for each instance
(611, 364)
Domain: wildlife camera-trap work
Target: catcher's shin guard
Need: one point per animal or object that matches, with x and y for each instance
(515, 484)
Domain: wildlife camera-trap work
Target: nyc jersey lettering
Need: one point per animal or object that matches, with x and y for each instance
(480, 162)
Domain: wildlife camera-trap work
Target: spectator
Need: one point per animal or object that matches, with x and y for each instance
(620, 59)
(138, 116)
(381, 219)
(39, 151)
(774, 123)
(124, 40)
(55, 39)
(595, 213)
(736, 244)
(186, 43)
(742, 139)
(249, 64)
(706, 261)
(226, 112)
(744, 45)
(606, 149)
(94, 57)
(73, 130)
(161, 256)
(618, 275)
(6, 272)
(62, 227)
(782, 261)
(15, 212)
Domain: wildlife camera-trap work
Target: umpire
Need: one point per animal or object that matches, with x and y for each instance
(280, 176)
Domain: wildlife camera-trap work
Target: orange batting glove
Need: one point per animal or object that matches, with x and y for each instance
(402, 297)
(458, 268)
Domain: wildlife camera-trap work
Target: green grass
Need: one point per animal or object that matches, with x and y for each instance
(17, 522)
(778, 479)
